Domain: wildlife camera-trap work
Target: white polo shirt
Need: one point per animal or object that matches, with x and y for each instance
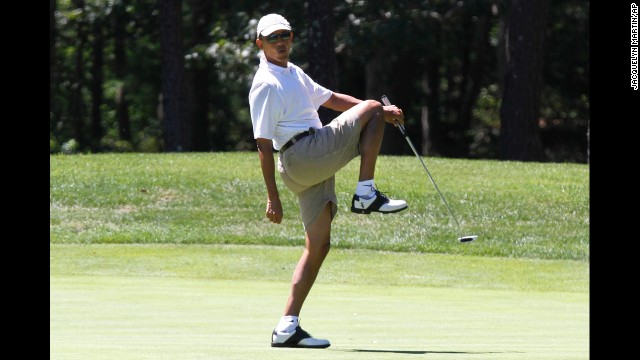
(284, 102)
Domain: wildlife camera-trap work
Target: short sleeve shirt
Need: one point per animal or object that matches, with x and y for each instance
(284, 102)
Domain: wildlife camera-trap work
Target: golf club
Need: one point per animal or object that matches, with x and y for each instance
(463, 239)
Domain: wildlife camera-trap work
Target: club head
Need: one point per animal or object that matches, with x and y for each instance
(469, 238)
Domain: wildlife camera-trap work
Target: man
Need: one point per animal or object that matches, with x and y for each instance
(284, 103)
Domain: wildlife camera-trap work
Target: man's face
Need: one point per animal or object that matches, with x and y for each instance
(276, 46)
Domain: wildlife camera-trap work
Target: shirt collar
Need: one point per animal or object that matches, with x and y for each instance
(273, 67)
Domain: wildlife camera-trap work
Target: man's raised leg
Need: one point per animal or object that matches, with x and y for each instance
(367, 198)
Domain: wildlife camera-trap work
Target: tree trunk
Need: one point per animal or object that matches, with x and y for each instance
(403, 95)
(199, 117)
(474, 71)
(198, 76)
(377, 79)
(174, 120)
(501, 52)
(77, 110)
(432, 129)
(322, 56)
(520, 133)
(96, 84)
(52, 48)
(119, 38)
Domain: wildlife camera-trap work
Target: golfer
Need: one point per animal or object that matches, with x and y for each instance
(284, 104)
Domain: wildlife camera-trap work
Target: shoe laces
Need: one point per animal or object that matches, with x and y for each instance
(382, 195)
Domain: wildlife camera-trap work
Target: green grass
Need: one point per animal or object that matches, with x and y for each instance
(116, 317)
(175, 302)
(343, 266)
(530, 210)
(169, 256)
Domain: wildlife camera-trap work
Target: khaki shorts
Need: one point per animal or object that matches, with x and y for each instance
(309, 166)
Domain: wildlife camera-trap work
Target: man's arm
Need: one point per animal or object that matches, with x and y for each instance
(267, 163)
(341, 102)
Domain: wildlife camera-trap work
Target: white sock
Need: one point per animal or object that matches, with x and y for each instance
(365, 188)
(287, 324)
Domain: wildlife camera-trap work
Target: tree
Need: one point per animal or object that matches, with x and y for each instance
(520, 134)
(96, 79)
(455, 67)
(440, 61)
(174, 112)
(374, 44)
(321, 48)
(77, 103)
(564, 113)
(475, 52)
(198, 74)
(52, 49)
(120, 20)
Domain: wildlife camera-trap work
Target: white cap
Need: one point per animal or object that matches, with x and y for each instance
(270, 23)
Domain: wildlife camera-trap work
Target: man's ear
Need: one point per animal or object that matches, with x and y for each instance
(259, 43)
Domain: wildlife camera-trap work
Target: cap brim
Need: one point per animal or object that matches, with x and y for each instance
(275, 27)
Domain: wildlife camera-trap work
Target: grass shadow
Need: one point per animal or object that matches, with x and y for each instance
(421, 352)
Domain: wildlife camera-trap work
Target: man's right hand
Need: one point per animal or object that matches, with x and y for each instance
(268, 166)
(274, 211)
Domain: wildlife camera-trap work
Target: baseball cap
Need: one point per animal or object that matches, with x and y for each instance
(270, 23)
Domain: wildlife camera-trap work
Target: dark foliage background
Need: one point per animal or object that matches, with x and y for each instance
(444, 62)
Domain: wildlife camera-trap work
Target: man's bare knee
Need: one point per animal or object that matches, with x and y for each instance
(370, 110)
(319, 250)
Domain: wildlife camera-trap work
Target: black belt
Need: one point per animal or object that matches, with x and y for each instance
(293, 140)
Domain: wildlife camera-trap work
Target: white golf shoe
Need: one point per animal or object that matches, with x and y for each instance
(298, 338)
(378, 203)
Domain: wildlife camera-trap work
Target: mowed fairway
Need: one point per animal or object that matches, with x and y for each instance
(170, 256)
(137, 302)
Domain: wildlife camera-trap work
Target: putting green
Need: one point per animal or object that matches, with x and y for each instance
(159, 317)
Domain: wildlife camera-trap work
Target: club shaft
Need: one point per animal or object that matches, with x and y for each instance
(386, 101)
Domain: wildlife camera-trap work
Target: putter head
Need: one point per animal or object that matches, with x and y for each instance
(469, 238)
